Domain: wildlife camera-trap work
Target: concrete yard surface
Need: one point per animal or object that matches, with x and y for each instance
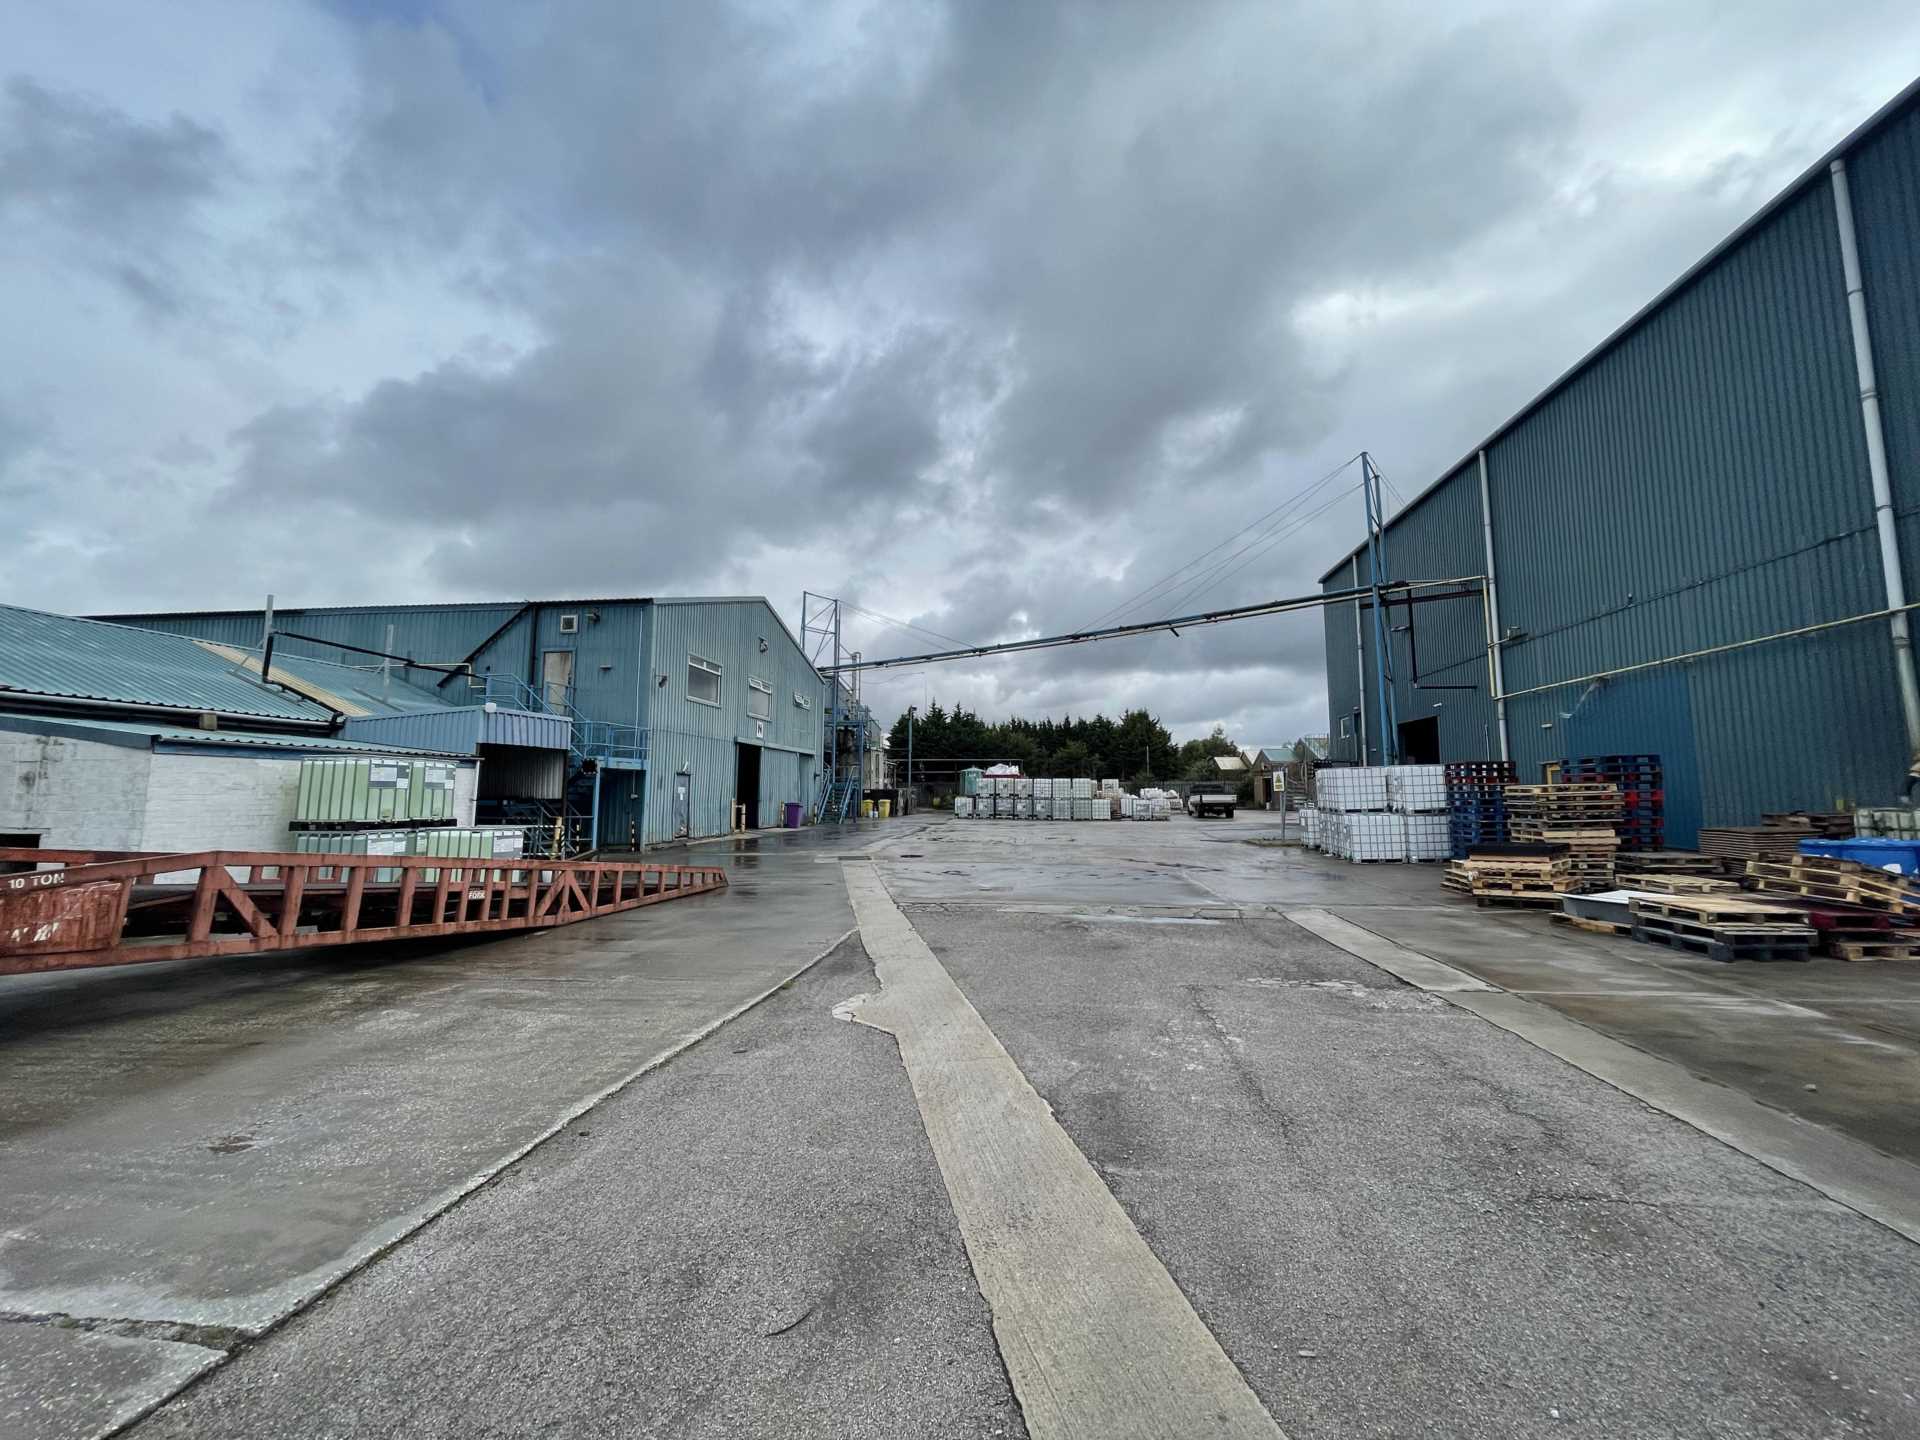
(210, 1144)
(1378, 1177)
(753, 1240)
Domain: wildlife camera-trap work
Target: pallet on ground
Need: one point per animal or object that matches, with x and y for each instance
(1826, 878)
(1871, 950)
(1674, 882)
(1496, 899)
(1645, 862)
(1592, 927)
(1725, 910)
(1726, 950)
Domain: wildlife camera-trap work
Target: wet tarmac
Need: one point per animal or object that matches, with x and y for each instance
(192, 1151)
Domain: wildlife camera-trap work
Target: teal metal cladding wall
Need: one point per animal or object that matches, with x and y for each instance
(1700, 481)
(1436, 538)
(699, 742)
(1884, 174)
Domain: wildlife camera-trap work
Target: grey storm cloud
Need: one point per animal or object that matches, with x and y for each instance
(81, 169)
(985, 315)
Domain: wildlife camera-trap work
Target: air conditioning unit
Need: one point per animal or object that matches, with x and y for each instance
(569, 624)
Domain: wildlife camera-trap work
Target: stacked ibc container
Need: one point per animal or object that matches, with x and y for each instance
(1418, 794)
(1310, 827)
(963, 807)
(1354, 821)
(1382, 812)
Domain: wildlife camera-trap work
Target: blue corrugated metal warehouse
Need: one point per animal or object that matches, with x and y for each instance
(1736, 470)
(681, 708)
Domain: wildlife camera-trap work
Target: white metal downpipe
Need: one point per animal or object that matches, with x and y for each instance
(1890, 567)
(1493, 612)
(1360, 659)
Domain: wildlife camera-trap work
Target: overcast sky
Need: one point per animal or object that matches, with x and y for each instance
(984, 316)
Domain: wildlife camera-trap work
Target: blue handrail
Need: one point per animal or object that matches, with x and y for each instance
(590, 739)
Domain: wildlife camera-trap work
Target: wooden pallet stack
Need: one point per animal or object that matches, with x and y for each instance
(1477, 804)
(1750, 842)
(1667, 862)
(1674, 882)
(1512, 879)
(1723, 927)
(1642, 823)
(1816, 824)
(1860, 913)
(1581, 817)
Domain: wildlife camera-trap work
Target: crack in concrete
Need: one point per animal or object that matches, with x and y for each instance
(224, 1338)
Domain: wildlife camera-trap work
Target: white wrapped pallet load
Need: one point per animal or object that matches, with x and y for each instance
(1417, 789)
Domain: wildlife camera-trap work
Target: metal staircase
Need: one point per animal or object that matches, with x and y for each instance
(615, 746)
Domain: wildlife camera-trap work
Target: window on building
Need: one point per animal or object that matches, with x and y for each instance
(1346, 727)
(703, 681)
(759, 698)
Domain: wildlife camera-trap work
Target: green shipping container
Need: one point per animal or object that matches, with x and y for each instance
(364, 792)
(354, 792)
(430, 795)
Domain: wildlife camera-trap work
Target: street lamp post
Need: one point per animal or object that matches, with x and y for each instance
(908, 797)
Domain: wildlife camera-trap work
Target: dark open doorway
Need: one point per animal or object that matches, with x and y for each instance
(1420, 741)
(746, 782)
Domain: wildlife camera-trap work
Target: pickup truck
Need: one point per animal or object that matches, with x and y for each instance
(1212, 801)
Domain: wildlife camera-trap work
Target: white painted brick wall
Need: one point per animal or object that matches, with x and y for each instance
(75, 794)
(221, 802)
(466, 789)
(79, 794)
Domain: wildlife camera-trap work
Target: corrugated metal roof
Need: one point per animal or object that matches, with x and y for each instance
(419, 607)
(62, 657)
(461, 728)
(349, 689)
(181, 735)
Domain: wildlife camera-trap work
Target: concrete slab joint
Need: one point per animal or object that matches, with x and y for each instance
(1097, 1338)
(1874, 1185)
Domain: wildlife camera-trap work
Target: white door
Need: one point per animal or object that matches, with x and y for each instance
(556, 678)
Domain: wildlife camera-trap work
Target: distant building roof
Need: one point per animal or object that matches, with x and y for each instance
(59, 657)
(1229, 764)
(1267, 756)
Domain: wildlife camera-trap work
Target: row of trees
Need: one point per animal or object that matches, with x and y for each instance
(1136, 748)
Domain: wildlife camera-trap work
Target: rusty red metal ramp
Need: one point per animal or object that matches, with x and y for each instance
(70, 909)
